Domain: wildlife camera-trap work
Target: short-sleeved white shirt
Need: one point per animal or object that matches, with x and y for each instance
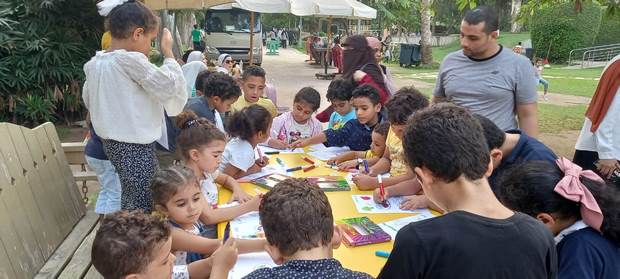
(238, 153)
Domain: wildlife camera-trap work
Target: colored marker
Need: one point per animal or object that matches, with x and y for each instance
(383, 254)
(307, 160)
(280, 162)
(294, 169)
(365, 166)
(382, 192)
(309, 168)
(227, 232)
(272, 152)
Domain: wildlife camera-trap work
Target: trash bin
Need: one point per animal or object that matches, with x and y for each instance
(529, 53)
(410, 54)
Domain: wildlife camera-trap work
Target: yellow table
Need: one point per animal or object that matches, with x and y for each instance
(356, 258)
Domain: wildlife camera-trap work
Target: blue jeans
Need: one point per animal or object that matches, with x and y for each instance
(544, 83)
(109, 199)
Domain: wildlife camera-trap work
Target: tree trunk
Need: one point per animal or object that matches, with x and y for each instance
(427, 55)
(514, 13)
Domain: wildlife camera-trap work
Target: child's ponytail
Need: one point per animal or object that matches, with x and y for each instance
(248, 122)
(531, 188)
(168, 181)
(196, 133)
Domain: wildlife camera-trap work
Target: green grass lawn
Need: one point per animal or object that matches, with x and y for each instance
(554, 119)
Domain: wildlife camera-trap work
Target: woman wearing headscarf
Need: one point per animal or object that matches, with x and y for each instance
(225, 63)
(195, 64)
(598, 145)
(377, 47)
(360, 66)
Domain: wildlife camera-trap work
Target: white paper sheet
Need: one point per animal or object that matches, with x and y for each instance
(282, 151)
(392, 227)
(269, 169)
(328, 152)
(247, 226)
(365, 204)
(246, 263)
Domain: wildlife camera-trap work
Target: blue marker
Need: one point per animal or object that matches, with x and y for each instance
(382, 254)
(294, 169)
(366, 166)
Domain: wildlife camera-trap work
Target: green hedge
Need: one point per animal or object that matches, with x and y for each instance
(609, 32)
(559, 28)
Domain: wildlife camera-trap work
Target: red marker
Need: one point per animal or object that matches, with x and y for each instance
(382, 192)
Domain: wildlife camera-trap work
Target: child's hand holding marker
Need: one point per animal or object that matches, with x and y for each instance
(262, 162)
(365, 182)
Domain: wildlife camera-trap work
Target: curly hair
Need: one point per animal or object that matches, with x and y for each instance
(404, 103)
(221, 85)
(447, 140)
(296, 215)
(126, 242)
(340, 89)
(248, 122)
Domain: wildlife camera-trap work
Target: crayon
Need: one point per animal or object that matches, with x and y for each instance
(309, 168)
(382, 192)
(294, 169)
(383, 254)
(307, 160)
(272, 152)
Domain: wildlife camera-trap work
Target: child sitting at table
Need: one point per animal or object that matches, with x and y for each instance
(178, 197)
(299, 227)
(218, 92)
(248, 127)
(400, 107)
(445, 146)
(339, 94)
(253, 84)
(577, 207)
(137, 245)
(356, 133)
(351, 159)
(299, 123)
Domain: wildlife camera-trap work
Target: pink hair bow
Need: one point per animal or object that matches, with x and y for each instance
(571, 188)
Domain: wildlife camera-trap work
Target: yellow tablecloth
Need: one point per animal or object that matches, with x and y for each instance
(357, 258)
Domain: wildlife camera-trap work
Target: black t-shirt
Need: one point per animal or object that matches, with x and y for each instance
(464, 245)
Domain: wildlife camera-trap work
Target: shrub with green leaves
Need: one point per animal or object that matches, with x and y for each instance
(609, 32)
(558, 29)
(43, 47)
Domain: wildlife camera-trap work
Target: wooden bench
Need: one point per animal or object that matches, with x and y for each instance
(45, 229)
(74, 152)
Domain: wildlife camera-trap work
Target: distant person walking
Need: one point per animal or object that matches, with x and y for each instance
(538, 68)
(196, 38)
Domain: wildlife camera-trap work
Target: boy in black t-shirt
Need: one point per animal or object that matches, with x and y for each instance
(478, 237)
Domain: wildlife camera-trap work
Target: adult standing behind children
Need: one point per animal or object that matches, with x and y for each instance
(599, 140)
(196, 37)
(359, 66)
(253, 85)
(126, 96)
(490, 242)
(488, 79)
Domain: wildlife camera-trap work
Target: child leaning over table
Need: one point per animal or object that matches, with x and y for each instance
(299, 227)
(298, 123)
(356, 134)
(400, 107)
(351, 159)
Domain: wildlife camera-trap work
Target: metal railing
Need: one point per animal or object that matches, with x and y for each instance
(595, 52)
(602, 55)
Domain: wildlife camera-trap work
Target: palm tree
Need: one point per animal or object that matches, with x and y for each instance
(425, 42)
(515, 26)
